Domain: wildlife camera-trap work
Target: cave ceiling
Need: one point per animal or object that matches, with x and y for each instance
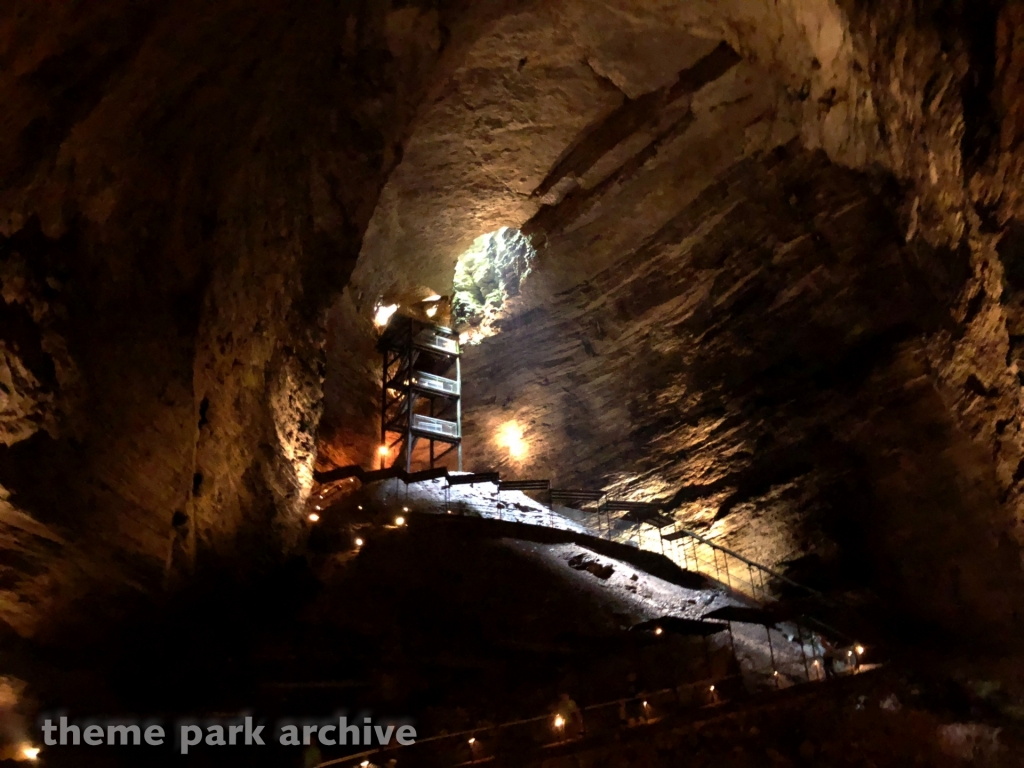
(776, 281)
(753, 297)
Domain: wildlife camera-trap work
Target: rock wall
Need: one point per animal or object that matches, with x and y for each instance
(906, 492)
(184, 191)
(761, 363)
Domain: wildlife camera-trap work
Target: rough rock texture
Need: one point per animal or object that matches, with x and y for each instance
(829, 332)
(759, 364)
(530, 116)
(183, 190)
(801, 359)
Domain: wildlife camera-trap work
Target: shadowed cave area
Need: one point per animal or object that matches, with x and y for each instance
(755, 269)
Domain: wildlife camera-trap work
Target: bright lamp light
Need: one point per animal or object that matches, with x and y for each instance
(510, 436)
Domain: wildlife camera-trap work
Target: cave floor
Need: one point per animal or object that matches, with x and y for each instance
(458, 621)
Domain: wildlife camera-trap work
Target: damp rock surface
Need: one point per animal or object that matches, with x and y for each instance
(776, 286)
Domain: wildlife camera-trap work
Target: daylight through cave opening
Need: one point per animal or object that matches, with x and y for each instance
(775, 314)
(487, 277)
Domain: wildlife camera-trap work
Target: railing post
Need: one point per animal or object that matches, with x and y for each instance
(803, 653)
(771, 652)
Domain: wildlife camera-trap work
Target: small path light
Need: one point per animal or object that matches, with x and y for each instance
(658, 630)
(314, 517)
(399, 521)
(359, 542)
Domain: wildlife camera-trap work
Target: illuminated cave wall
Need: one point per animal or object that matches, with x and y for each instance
(768, 286)
(193, 236)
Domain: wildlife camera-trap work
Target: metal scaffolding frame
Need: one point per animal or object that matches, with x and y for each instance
(419, 397)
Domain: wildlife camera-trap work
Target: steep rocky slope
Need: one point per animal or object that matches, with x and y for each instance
(183, 189)
(770, 284)
(777, 280)
(761, 365)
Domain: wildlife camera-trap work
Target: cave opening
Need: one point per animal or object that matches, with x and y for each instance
(487, 276)
(736, 290)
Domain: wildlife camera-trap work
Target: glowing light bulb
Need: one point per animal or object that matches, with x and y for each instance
(359, 542)
(472, 740)
(314, 517)
(658, 630)
(29, 752)
(383, 314)
(399, 521)
(645, 703)
(510, 435)
(431, 311)
(364, 763)
(712, 688)
(405, 509)
(360, 506)
(860, 650)
(559, 721)
(775, 673)
(383, 450)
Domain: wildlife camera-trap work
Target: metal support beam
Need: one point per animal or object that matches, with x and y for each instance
(419, 397)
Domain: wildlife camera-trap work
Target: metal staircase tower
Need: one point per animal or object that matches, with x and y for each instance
(420, 399)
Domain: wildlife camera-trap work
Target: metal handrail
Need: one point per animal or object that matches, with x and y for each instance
(806, 619)
(584, 497)
(753, 564)
(712, 683)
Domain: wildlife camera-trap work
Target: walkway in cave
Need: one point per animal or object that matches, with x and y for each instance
(599, 569)
(650, 583)
(533, 741)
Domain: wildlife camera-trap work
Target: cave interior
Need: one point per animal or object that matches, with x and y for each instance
(751, 275)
